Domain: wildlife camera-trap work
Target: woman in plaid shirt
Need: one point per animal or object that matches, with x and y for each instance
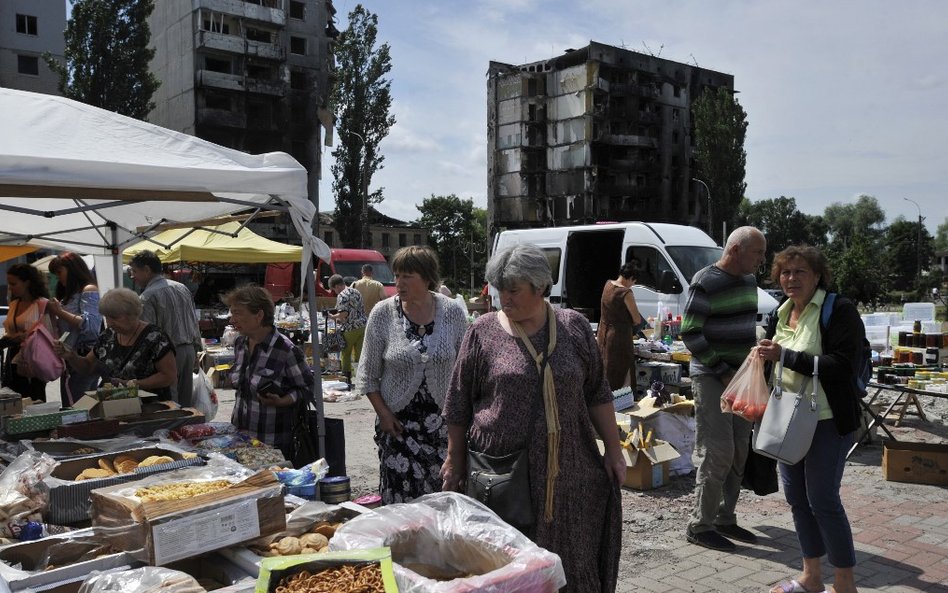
(270, 373)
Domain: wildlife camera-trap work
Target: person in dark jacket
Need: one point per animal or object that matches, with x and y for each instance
(811, 486)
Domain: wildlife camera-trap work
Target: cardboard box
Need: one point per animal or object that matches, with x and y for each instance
(109, 408)
(69, 499)
(648, 372)
(167, 531)
(918, 463)
(299, 521)
(11, 405)
(65, 553)
(13, 425)
(646, 468)
(213, 568)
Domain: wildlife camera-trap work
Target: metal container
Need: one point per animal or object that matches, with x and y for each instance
(335, 489)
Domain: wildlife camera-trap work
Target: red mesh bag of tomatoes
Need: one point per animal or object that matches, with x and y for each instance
(747, 393)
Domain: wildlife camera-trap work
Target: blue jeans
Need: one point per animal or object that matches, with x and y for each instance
(812, 489)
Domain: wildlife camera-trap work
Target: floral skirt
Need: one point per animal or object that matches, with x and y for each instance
(410, 466)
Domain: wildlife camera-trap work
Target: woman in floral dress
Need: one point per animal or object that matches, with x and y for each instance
(411, 342)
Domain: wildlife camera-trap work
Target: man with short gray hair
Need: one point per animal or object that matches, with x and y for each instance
(720, 328)
(170, 306)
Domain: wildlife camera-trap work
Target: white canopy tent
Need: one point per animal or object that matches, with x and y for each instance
(77, 177)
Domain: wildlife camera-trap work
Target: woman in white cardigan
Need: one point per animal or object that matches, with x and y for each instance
(411, 342)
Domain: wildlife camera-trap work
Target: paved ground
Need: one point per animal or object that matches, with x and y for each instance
(901, 530)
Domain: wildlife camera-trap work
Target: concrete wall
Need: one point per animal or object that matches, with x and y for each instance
(50, 24)
(172, 35)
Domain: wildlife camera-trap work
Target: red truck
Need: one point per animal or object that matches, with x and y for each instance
(345, 262)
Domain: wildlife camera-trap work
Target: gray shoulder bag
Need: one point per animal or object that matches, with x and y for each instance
(785, 433)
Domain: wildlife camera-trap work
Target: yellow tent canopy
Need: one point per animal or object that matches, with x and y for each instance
(11, 251)
(198, 245)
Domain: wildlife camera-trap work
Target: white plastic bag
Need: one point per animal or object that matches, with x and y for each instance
(142, 580)
(439, 538)
(204, 398)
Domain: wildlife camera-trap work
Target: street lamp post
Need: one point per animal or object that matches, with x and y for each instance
(708, 191)
(364, 188)
(472, 248)
(918, 245)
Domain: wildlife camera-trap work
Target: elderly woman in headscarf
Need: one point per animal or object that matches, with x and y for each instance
(531, 377)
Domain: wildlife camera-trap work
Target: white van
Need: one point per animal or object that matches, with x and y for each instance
(582, 258)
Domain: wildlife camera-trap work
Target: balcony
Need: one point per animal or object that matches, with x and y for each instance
(238, 45)
(246, 10)
(630, 140)
(219, 80)
(276, 88)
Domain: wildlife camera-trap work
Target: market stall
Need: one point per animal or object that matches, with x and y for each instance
(77, 177)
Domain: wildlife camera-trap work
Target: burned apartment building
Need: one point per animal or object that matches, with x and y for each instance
(253, 75)
(600, 133)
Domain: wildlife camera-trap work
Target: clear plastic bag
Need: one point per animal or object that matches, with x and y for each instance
(449, 543)
(747, 393)
(150, 579)
(22, 492)
(204, 398)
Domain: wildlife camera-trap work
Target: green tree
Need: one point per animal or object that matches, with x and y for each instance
(458, 233)
(857, 272)
(782, 223)
(864, 217)
(361, 99)
(107, 56)
(720, 130)
(905, 258)
(941, 236)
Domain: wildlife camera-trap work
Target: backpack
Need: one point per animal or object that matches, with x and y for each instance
(863, 369)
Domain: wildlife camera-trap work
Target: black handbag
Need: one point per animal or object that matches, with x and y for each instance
(503, 485)
(304, 435)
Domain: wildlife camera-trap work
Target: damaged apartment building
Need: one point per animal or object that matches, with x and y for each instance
(596, 134)
(253, 75)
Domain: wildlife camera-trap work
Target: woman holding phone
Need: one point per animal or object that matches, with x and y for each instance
(270, 372)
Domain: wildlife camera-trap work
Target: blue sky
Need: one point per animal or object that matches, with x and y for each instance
(843, 98)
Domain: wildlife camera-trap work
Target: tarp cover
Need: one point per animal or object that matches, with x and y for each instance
(53, 148)
(198, 245)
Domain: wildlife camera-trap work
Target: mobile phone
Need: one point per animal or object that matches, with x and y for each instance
(62, 340)
(267, 386)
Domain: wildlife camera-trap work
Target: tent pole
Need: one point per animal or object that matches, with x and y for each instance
(116, 258)
(317, 371)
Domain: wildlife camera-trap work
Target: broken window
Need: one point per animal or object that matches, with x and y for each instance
(298, 46)
(26, 24)
(259, 71)
(327, 237)
(27, 65)
(297, 80)
(402, 239)
(217, 65)
(297, 10)
(214, 100)
(675, 137)
(385, 239)
(259, 35)
(216, 26)
(677, 90)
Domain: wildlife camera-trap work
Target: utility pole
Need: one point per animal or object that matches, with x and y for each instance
(918, 246)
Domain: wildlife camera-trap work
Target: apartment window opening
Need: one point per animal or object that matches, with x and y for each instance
(26, 24)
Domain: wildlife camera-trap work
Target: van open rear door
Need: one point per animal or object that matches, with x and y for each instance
(592, 258)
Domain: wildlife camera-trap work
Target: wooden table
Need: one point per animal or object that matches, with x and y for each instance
(905, 396)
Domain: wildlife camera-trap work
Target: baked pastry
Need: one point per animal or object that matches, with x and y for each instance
(316, 541)
(288, 546)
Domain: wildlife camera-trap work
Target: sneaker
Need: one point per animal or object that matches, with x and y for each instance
(712, 540)
(736, 532)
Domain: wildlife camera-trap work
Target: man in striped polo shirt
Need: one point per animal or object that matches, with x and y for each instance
(719, 328)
